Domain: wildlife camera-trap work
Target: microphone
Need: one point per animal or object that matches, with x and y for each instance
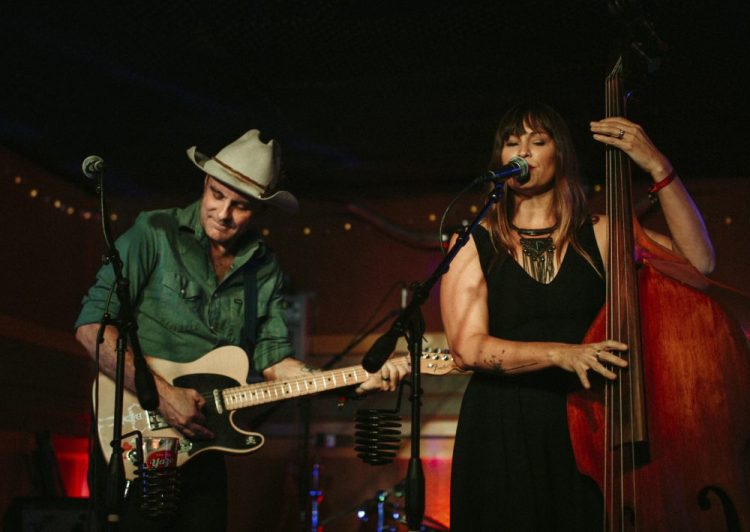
(382, 349)
(92, 166)
(517, 167)
(378, 435)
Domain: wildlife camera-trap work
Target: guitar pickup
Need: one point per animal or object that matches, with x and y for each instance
(156, 421)
(218, 402)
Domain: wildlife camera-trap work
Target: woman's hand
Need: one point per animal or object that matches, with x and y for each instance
(632, 139)
(579, 359)
(388, 377)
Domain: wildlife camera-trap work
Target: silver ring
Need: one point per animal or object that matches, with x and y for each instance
(621, 134)
(385, 378)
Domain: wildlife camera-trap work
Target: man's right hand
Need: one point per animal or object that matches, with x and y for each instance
(181, 407)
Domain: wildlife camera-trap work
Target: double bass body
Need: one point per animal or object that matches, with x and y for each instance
(692, 470)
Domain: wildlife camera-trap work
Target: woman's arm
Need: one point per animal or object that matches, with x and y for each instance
(689, 235)
(463, 304)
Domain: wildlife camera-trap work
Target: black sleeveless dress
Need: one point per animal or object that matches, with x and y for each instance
(513, 464)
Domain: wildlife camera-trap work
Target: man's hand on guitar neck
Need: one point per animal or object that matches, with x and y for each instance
(181, 407)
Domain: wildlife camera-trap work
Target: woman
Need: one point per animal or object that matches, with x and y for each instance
(516, 303)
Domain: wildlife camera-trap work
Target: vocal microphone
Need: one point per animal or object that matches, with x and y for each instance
(517, 167)
(92, 166)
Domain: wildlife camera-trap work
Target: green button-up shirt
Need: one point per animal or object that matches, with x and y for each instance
(182, 310)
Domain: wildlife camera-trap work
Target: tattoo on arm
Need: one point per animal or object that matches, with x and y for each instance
(495, 365)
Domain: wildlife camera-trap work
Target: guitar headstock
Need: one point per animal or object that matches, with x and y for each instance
(437, 362)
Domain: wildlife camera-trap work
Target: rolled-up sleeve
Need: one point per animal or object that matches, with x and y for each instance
(137, 250)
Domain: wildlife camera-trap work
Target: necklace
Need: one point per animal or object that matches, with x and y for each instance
(538, 252)
(534, 232)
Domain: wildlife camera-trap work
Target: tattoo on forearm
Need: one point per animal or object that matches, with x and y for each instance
(495, 365)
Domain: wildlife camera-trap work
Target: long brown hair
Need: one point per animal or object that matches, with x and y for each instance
(569, 200)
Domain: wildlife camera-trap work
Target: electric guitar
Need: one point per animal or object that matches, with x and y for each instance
(217, 376)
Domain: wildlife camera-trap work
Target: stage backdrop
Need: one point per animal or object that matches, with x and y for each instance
(347, 264)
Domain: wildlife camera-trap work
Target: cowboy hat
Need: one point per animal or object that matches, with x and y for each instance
(249, 166)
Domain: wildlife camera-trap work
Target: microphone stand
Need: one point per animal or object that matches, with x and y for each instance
(144, 380)
(309, 517)
(410, 323)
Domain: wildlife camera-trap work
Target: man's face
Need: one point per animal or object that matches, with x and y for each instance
(225, 213)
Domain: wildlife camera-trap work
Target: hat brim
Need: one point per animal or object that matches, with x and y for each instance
(282, 199)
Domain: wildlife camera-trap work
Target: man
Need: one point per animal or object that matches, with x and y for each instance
(187, 271)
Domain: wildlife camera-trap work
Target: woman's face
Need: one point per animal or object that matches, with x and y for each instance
(539, 150)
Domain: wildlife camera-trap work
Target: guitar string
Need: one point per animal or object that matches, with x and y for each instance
(326, 376)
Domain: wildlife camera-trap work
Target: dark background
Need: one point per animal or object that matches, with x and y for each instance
(365, 97)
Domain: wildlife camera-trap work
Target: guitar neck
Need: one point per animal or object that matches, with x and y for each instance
(268, 392)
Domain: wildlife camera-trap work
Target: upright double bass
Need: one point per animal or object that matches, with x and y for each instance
(668, 442)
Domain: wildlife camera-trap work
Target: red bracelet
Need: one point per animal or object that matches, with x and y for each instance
(656, 187)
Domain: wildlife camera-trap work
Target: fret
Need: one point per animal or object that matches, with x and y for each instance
(265, 392)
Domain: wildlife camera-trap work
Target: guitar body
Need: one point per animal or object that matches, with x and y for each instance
(220, 377)
(202, 376)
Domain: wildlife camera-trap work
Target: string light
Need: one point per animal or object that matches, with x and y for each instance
(56, 203)
(34, 192)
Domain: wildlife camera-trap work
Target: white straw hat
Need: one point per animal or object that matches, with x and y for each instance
(249, 166)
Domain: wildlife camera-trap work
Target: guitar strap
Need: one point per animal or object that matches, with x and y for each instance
(250, 330)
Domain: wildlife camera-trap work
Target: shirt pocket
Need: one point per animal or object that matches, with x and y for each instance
(180, 302)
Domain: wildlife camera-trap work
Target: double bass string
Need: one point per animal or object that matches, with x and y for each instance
(620, 326)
